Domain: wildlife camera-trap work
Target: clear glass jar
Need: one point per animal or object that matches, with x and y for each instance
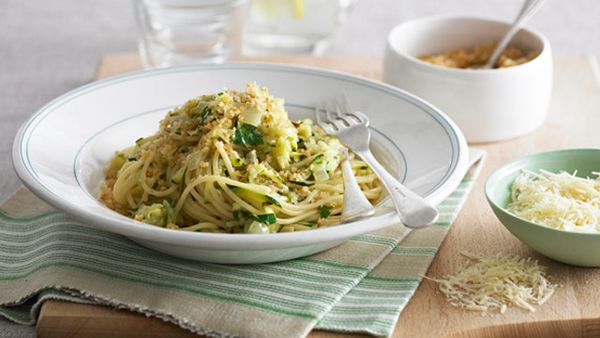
(292, 26)
(176, 32)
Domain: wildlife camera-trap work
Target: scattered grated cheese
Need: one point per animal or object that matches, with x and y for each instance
(495, 283)
(562, 201)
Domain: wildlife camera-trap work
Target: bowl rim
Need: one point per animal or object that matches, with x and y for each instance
(507, 169)
(124, 226)
(391, 47)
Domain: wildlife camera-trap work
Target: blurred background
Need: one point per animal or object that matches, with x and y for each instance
(55, 45)
(50, 47)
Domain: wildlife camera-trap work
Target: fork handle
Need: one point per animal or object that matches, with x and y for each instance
(413, 210)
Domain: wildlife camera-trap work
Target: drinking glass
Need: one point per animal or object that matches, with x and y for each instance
(175, 32)
(292, 26)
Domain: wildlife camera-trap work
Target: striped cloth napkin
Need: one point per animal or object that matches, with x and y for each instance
(359, 286)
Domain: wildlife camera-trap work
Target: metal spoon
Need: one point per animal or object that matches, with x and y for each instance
(356, 205)
(530, 7)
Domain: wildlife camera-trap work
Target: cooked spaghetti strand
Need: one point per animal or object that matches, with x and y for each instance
(233, 162)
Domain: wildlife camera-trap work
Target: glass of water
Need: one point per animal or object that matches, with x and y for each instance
(292, 26)
(176, 32)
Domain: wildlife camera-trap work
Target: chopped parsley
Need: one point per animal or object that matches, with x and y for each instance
(324, 211)
(241, 214)
(266, 218)
(204, 115)
(200, 112)
(247, 135)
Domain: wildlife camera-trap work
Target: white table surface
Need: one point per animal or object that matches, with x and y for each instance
(49, 47)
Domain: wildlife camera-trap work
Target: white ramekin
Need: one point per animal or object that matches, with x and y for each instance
(488, 105)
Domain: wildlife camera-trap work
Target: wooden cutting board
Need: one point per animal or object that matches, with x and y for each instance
(574, 310)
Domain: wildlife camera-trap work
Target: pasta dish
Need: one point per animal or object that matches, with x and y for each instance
(233, 162)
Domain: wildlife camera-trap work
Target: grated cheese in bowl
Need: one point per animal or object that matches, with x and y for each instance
(558, 200)
(495, 283)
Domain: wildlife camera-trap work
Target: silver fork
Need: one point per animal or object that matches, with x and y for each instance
(352, 129)
(356, 205)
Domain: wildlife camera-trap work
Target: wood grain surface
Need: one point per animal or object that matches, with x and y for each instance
(574, 310)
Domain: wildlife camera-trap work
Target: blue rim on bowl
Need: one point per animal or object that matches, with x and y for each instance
(27, 171)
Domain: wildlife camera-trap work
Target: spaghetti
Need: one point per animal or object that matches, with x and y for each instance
(233, 162)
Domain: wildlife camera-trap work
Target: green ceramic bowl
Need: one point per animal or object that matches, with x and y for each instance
(580, 249)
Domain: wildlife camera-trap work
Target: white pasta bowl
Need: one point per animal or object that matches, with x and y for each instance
(60, 152)
(487, 104)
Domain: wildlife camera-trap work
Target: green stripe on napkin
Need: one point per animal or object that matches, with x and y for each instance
(359, 286)
(374, 305)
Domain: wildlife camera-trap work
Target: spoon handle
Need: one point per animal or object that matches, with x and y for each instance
(414, 211)
(530, 7)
